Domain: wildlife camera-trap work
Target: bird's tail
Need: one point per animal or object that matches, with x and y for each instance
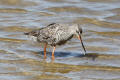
(32, 33)
(26, 33)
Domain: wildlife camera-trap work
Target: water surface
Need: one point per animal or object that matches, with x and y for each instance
(22, 59)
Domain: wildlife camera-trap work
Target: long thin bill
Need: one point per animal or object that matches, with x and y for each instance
(79, 37)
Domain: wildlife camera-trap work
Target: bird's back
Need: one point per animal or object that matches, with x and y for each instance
(53, 34)
(58, 33)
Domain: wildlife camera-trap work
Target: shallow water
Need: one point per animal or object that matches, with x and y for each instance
(22, 59)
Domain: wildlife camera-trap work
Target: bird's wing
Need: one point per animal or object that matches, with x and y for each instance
(47, 34)
(51, 29)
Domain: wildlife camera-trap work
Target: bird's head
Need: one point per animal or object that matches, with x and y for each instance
(78, 30)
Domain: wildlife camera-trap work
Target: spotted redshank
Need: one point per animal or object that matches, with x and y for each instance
(57, 34)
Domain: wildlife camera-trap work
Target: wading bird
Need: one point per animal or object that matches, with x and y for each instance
(56, 34)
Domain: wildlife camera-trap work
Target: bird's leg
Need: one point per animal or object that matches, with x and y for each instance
(45, 51)
(53, 57)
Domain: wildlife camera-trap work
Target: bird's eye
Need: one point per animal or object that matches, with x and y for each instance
(77, 32)
(80, 31)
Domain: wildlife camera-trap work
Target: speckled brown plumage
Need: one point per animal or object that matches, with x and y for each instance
(57, 34)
